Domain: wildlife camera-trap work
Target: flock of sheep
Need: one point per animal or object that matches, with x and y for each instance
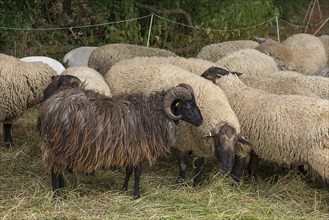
(121, 104)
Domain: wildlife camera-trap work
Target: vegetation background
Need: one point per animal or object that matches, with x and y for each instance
(53, 27)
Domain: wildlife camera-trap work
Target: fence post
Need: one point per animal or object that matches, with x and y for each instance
(150, 29)
(277, 27)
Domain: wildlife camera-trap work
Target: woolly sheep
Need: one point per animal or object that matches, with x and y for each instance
(215, 52)
(57, 66)
(145, 74)
(105, 56)
(249, 62)
(325, 41)
(121, 131)
(286, 129)
(21, 86)
(91, 78)
(78, 56)
(303, 53)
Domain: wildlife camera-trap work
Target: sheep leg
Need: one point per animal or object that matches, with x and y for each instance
(182, 161)
(198, 164)
(253, 164)
(129, 171)
(57, 182)
(137, 172)
(7, 135)
(237, 169)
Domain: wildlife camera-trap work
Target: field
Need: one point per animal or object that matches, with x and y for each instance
(25, 190)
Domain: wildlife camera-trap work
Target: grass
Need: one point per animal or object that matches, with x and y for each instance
(25, 190)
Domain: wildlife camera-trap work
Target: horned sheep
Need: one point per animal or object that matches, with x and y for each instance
(105, 56)
(286, 129)
(121, 131)
(219, 132)
(215, 52)
(21, 86)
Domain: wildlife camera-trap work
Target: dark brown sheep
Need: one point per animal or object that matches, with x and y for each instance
(82, 130)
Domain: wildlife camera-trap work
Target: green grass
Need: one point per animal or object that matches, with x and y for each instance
(25, 190)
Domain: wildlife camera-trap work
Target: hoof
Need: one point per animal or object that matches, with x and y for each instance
(181, 180)
(8, 145)
(136, 196)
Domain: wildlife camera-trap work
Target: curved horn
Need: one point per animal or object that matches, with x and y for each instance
(182, 91)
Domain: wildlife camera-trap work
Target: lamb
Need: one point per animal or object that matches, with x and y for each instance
(91, 78)
(215, 52)
(57, 66)
(121, 131)
(286, 129)
(105, 56)
(78, 56)
(145, 74)
(21, 86)
(303, 53)
(249, 62)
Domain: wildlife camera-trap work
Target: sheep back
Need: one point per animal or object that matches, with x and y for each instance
(21, 85)
(215, 52)
(308, 51)
(91, 130)
(146, 74)
(325, 41)
(249, 62)
(57, 66)
(78, 56)
(102, 58)
(90, 77)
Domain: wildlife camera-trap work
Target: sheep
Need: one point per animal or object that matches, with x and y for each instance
(57, 66)
(303, 53)
(121, 131)
(325, 41)
(21, 86)
(286, 129)
(78, 56)
(91, 78)
(215, 52)
(105, 56)
(323, 72)
(249, 62)
(145, 74)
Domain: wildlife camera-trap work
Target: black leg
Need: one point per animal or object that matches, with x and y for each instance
(129, 171)
(137, 171)
(7, 135)
(253, 164)
(198, 164)
(182, 161)
(57, 182)
(237, 169)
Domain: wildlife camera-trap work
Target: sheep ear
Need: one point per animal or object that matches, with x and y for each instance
(260, 39)
(243, 140)
(208, 134)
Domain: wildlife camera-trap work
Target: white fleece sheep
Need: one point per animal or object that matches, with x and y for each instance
(105, 56)
(57, 66)
(215, 52)
(249, 62)
(90, 77)
(21, 86)
(78, 56)
(286, 129)
(325, 41)
(146, 74)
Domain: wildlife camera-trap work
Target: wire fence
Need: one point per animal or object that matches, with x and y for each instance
(151, 30)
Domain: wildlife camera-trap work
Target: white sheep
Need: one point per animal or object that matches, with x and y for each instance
(249, 62)
(105, 56)
(57, 66)
(78, 56)
(21, 86)
(214, 52)
(146, 74)
(286, 129)
(90, 77)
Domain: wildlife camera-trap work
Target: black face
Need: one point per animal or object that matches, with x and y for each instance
(60, 82)
(189, 111)
(214, 73)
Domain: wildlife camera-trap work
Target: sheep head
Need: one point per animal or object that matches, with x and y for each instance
(213, 73)
(225, 139)
(179, 103)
